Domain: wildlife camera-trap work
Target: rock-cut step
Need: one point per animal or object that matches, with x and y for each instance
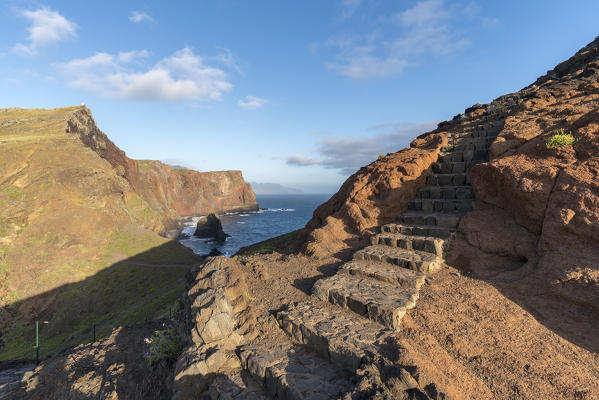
(427, 244)
(379, 301)
(446, 192)
(440, 205)
(463, 156)
(445, 220)
(345, 339)
(385, 272)
(411, 259)
(459, 179)
(418, 230)
(290, 372)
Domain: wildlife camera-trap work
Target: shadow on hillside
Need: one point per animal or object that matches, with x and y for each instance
(140, 288)
(529, 288)
(113, 367)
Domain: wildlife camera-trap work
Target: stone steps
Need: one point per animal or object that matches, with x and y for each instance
(470, 140)
(345, 339)
(411, 259)
(466, 155)
(427, 244)
(378, 301)
(478, 133)
(419, 230)
(445, 220)
(291, 372)
(459, 179)
(445, 192)
(440, 205)
(385, 272)
(453, 167)
(464, 147)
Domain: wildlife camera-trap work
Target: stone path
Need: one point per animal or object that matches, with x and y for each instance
(369, 295)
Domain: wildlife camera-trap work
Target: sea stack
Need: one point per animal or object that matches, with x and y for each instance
(210, 227)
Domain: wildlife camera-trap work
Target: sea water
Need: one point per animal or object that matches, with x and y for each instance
(278, 214)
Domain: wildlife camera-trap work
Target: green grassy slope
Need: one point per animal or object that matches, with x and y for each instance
(77, 244)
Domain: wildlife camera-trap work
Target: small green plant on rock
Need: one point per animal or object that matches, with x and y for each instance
(560, 139)
(381, 156)
(164, 345)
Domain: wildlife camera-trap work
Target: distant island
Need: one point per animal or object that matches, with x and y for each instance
(272, 188)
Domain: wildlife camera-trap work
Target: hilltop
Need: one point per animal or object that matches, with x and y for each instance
(83, 228)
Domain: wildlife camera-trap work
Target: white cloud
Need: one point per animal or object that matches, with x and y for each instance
(182, 76)
(349, 8)
(47, 27)
(303, 161)
(140, 16)
(349, 154)
(252, 102)
(424, 29)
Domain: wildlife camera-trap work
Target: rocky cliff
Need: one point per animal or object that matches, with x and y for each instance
(536, 212)
(172, 192)
(82, 226)
(536, 215)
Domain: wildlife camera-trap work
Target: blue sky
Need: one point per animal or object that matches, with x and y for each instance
(299, 93)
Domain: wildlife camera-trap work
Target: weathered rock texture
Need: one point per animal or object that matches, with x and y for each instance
(373, 196)
(536, 217)
(111, 368)
(219, 319)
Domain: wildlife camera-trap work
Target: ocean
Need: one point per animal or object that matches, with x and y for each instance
(278, 214)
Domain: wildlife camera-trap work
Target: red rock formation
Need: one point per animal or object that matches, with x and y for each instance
(189, 192)
(537, 208)
(536, 217)
(374, 195)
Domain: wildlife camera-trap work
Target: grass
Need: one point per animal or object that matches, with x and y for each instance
(270, 245)
(560, 139)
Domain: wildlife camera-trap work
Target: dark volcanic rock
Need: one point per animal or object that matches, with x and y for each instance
(210, 227)
(215, 252)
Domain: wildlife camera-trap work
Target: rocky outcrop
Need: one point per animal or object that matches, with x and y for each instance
(210, 227)
(185, 192)
(536, 215)
(373, 196)
(219, 321)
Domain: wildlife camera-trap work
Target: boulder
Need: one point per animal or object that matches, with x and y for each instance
(210, 227)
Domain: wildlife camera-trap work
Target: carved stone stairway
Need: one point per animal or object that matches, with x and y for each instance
(361, 307)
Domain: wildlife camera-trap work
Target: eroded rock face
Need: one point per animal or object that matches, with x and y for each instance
(537, 208)
(220, 320)
(172, 192)
(210, 227)
(373, 196)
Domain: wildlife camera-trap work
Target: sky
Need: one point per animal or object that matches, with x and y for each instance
(300, 93)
